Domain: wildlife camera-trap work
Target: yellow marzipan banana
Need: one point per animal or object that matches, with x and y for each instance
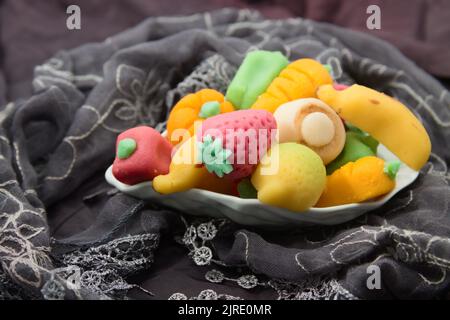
(185, 174)
(383, 117)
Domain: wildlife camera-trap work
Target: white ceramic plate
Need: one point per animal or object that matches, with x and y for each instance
(254, 213)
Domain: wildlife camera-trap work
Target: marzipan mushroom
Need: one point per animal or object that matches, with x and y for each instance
(313, 123)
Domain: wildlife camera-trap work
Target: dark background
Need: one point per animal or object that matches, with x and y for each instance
(32, 31)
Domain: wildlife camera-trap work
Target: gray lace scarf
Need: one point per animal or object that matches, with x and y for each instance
(65, 234)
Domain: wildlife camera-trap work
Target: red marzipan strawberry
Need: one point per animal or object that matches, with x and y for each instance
(233, 143)
(141, 154)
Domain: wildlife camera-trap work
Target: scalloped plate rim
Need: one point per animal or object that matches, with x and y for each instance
(277, 216)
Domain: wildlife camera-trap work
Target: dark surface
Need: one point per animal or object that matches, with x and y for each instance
(56, 210)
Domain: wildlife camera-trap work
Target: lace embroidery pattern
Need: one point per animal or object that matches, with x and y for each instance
(313, 289)
(102, 269)
(246, 281)
(21, 257)
(52, 72)
(214, 73)
(207, 294)
(197, 237)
